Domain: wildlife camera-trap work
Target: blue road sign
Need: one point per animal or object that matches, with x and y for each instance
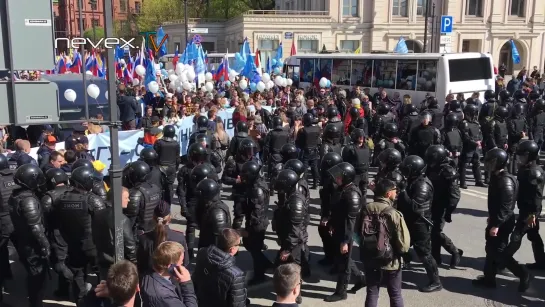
(446, 24)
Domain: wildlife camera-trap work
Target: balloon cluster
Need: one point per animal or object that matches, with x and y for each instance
(325, 83)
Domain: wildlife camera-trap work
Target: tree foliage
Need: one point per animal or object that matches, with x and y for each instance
(95, 35)
(155, 12)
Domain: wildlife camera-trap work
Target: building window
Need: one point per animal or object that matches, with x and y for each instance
(350, 8)
(123, 6)
(137, 7)
(421, 7)
(399, 8)
(350, 45)
(474, 8)
(93, 4)
(517, 8)
(307, 46)
(267, 48)
(96, 22)
(84, 24)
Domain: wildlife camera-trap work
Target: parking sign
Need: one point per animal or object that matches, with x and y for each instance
(446, 24)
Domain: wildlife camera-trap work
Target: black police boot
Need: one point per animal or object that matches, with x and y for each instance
(433, 275)
(360, 284)
(524, 282)
(484, 282)
(190, 244)
(339, 294)
(455, 259)
(462, 173)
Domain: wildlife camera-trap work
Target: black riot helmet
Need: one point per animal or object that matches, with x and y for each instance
(489, 95)
(342, 174)
(277, 122)
(454, 105)
(331, 131)
(495, 160)
(509, 100)
(501, 112)
(288, 151)
(432, 101)
(451, 120)
(356, 135)
(383, 109)
(540, 104)
(389, 158)
(4, 164)
(389, 130)
(196, 153)
(518, 109)
(250, 171)
(329, 160)
(354, 113)
(533, 96)
(242, 127)
(202, 122)
(169, 131)
(201, 172)
(504, 94)
(207, 190)
(54, 177)
(332, 112)
(82, 162)
(411, 109)
(295, 165)
(204, 140)
(137, 172)
(425, 117)
(471, 110)
(286, 181)
(308, 119)
(149, 155)
(412, 167)
(471, 101)
(519, 94)
(527, 151)
(84, 178)
(29, 176)
(436, 154)
(247, 149)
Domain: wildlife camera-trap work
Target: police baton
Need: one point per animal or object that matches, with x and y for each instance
(430, 223)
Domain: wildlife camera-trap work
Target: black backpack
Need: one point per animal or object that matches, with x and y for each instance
(375, 248)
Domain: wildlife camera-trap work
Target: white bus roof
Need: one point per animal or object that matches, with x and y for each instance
(407, 56)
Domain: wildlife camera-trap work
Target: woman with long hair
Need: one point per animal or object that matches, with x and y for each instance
(222, 139)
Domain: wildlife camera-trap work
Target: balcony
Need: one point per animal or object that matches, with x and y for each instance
(286, 12)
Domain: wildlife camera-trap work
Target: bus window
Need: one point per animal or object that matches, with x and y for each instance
(326, 66)
(361, 72)
(469, 69)
(406, 74)
(341, 72)
(385, 73)
(307, 70)
(427, 72)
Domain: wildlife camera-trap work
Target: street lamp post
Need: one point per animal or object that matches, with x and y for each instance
(186, 25)
(433, 29)
(425, 49)
(93, 4)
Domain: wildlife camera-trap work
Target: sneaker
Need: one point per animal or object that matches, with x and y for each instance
(483, 282)
(432, 287)
(455, 259)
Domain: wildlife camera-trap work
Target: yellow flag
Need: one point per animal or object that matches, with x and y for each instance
(358, 50)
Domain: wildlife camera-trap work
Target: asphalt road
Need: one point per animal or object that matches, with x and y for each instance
(466, 230)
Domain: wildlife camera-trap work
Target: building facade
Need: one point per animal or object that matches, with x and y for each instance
(376, 25)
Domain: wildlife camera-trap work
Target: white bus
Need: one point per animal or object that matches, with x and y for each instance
(415, 74)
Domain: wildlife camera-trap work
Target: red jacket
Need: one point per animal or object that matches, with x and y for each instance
(348, 119)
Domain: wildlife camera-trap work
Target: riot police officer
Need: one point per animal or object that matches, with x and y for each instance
(436, 115)
(452, 137)
(379, 120)
(333, 118)
(157, 175)
(410, 120)
(143, 197)
(455, 107)
(326, 197)
(443, 175)
(415, 204)
(202, 128)
(7, 186)
(497, 129)
(330, 140)
(517, 128)
(501, 222)
(231, 176)
(241, 133)
(358, 154)
(531, 178)
(537, 123)
(276, 138)
(29, 231)
(486, 113)
(299, 168)
(288, 152)
(212, 213)
(342, 221)
(292, 222)
(168, 150)
(388, 139)
(74, 213)
(472, 146)
(213, 156)
(424, 135)
(307, 142)
(255, 209)
(503, 95)
(388, 168)
(98, 185)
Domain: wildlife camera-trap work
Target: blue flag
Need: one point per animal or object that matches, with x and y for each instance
(269, 68)
(279, 53)
(401, 46)
(515, 53)
(150, 72)
(161, 40)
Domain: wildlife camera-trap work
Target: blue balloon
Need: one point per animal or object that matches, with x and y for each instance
(276, 71)
(255, 78)
(253, 86)
(273, 62)
(161, 64)
(328, 83)
(228, 83)
(280, 63)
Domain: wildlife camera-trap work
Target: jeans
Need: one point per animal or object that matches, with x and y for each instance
(392, 281)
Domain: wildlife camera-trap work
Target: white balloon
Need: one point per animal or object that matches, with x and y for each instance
(186, 85)
(243, 84)
(270, 84)
(323, 82)
(122, 61)
(171, 71)
(173, 85)
(278, 80)
(173, 78)
(89, 73)
(179, 89)
(190, 75)
(209, 86)
(93, 91)
(208, 76)
(284, 82)
(183, 77)
(260, 86)
(70, 95)
(233, 73)
(140, 70)
(153, 87)
(289, 81)
(266, 77)
(135, 82)
(180, 69)
(106, 94)
(232, 79)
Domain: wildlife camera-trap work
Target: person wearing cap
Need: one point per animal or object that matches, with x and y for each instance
(71, 141)
(82, 149)
(148, 241)
(45, 150)
(128, 107)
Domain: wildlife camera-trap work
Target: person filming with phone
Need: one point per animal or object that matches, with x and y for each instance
(170, 283)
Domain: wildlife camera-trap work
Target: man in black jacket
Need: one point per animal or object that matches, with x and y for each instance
(168, 150)
(128, 108)
(307, 142)
(472, 137)
(241, 134)
(388, 169)
(344, 210)
(276, 138)
(358, 154)
(212, 214)
(156, 175)
(217, 280)
(7, 186)
(502, 195)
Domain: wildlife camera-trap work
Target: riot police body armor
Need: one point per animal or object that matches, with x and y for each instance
(388, 139)
(212, 213)
(444, 177)
(452, 137)
(202, 127)
(168, 149)
(157, 174)
(274, 141)
(435, 113)
(410, 120)
(7, 186)
(497, 129)
(98, 185)
(330, 140)
(388, 168)
(307, 142)
(334, 119)
(517, 129)
(213, 156)
(302, 185)
(359, 155)
(424, 135)
(537, 123)
(472, 146)
(241, 133)
(379, 120)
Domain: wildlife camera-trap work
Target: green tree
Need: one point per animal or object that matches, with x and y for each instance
(155, 12)
(95, 35)
(258, 4)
